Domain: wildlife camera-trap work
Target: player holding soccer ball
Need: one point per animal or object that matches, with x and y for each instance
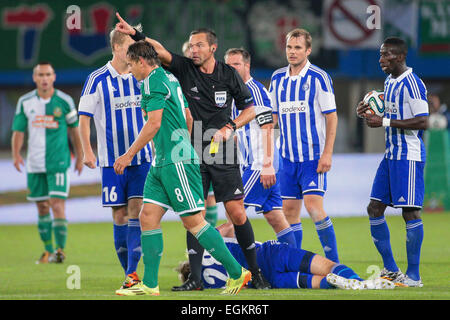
(399, 181)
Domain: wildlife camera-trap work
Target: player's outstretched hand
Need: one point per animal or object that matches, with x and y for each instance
(123, 26)
(361, 109)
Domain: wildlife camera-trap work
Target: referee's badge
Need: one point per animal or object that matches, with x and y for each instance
(221, 98)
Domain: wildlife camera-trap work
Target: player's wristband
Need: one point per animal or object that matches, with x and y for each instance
(386, 122)
(138, 35)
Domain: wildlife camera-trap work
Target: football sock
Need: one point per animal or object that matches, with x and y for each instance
(133, 244)
(45, 231)
(305, 280)
(327, 238)
(60, 231)
(120, 243)
(325, 285)
(298, 233)
(195, 255)
(152, 249)
(381, 238)
(213, 242)
(345, 272)
(246, 239)
(287, 236)
(414, 238)
(211, 215)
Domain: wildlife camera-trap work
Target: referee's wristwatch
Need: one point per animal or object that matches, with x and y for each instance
(232, 124)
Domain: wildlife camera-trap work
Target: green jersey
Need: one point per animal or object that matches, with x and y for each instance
(46, 122)
(161, 90)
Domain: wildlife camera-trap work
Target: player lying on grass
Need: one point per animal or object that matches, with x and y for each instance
(285, 267)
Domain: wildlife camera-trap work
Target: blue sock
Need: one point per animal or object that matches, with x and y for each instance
(287, 236)
(327, 238)
(298, 233)
(134, 244)
(325, 285)
(382, 240)
(120, 243)
(344, 271)
(414, 238)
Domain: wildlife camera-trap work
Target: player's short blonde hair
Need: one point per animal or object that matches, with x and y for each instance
(298, 32)
(116, 37)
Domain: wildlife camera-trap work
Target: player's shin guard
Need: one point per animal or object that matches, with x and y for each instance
(212, 241)
(298, 233)
(345, 272)
(327, 237)
(382, 240)
(414, 238)
(287, 236)
(246, 239)
(120, 243)
(60, 231)
(133, 245)
(45, 231)
(152, 248)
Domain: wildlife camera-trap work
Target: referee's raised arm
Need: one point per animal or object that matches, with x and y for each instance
(122, 26)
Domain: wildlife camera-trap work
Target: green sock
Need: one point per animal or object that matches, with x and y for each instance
(60, 231)
(152, 248)
(45, 231)
(212, 241)
(211, 215)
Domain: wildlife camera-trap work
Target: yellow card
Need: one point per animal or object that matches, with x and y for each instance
(213, 147)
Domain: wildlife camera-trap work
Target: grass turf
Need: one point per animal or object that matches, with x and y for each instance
(90, 247)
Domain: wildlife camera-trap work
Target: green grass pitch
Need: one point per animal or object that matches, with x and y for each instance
(90, 248)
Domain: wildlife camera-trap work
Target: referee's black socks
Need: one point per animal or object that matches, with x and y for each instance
(246, 239)
(195, 254)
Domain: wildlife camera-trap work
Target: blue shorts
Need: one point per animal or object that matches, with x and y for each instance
(300, 178)
(264, 200)
(399, 183)
(118, 189)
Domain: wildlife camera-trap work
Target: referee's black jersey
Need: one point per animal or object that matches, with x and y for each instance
(210, 96)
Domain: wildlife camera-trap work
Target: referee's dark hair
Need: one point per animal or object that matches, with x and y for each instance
(145, 50)
(398, 43)
(210, 35)
(244, 53)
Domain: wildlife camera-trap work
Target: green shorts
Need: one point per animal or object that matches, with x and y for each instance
(42, 186)
(177, 186)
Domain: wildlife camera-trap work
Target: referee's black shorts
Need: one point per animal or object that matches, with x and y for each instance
(226, 181)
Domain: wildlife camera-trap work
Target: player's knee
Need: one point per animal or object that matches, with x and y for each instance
(374, 210)
(410, 214)
(43, 207)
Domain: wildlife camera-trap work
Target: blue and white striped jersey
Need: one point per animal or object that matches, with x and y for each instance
(405, 97)
(114, 101)
(250, 136)
(301, 103)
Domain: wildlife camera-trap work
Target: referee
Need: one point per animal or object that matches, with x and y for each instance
(210, 87)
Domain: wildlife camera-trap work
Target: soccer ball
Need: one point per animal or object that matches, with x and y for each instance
(375, 100)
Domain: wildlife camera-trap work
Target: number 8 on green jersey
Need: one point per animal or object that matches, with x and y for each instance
(174, 181)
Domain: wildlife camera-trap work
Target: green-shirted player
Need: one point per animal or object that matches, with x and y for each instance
(174, 180)
(47, 114)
